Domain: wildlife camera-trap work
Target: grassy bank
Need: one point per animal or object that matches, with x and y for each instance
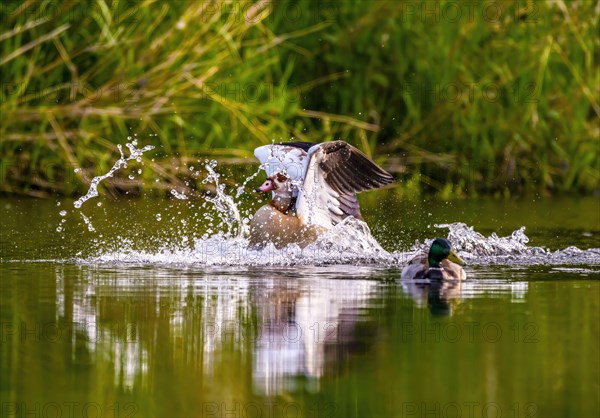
(454, 98)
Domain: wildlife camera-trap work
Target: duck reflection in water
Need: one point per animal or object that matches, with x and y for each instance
(440, 296)
(435, 277)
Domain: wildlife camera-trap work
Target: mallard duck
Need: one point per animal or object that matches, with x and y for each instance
(441, 263)
(313, 186)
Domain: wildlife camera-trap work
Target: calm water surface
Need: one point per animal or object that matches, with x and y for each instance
(81, 337)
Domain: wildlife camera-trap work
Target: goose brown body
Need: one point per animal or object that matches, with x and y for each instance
(271, 224)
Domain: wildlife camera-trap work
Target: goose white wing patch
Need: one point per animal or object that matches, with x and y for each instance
(286, 159)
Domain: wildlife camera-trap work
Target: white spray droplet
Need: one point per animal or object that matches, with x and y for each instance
(63, 213)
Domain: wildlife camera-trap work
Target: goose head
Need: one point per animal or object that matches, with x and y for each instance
(279, 184)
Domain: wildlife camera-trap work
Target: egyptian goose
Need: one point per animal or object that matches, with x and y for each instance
(314, 187)
(440, 263)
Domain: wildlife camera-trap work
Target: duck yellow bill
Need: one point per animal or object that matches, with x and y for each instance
(455, 259)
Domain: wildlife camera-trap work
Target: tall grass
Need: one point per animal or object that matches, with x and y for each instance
(500, 99)
(488, 96)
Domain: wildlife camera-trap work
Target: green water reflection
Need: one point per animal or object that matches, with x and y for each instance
(183, 343)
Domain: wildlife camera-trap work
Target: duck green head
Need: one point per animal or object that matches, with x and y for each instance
(441, 250)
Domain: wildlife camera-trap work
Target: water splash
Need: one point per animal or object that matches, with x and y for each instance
(135, 154)
(240, 190)
(349, 242)
(177, 195)
(465, 238)
(88, 222)
(225, 205)
(510, 250)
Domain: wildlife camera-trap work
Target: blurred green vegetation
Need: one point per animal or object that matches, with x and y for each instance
(454, 97)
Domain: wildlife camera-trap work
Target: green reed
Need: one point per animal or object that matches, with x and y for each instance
(452, 97)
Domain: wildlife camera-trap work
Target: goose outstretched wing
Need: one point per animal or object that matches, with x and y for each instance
(333, 173)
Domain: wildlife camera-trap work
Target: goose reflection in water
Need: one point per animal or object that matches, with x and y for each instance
(293, 331)
(309, 334)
